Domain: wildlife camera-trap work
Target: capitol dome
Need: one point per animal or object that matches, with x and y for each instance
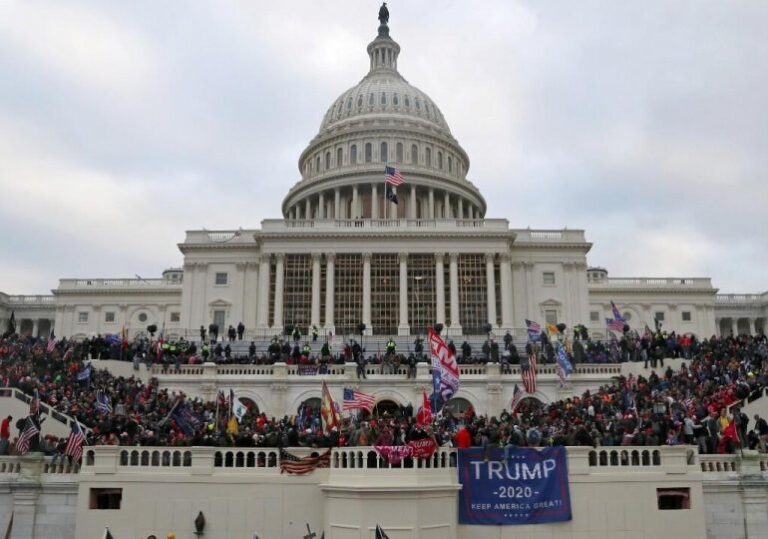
(383, 121)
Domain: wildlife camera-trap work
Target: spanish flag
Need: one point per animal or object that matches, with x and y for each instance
(329, 411)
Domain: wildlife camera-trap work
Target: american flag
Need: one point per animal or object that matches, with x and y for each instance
(295, 465)
(529, 374)
(614, 325)
(393, 176)
(355, 400)
(616, 314)
(51, 345)
(75, 442)
(29, 432)
(534, 330)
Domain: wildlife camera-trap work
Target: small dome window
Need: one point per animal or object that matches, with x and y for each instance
(383, 98)
(360, 102)
(450, 164)
(370, 99)
(407, 102)
(426, 106)
(395, 100)
(417, 103)
(349, 104)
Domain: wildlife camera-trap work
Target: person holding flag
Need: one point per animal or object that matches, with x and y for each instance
(424, 415)
(564, 365)
(329, 411)
(75, 441)
(445, 371)
(28, 434)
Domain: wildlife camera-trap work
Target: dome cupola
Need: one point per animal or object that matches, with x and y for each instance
(383, 121)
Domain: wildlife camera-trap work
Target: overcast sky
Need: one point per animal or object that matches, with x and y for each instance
(123, 124)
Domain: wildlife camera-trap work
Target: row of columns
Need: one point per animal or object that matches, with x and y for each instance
(316, 206)
(36, 324)
(404, 326)
(751, 322)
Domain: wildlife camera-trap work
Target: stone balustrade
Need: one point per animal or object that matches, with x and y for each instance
(344, 370)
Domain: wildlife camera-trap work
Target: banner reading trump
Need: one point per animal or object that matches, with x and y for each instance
(530, 486)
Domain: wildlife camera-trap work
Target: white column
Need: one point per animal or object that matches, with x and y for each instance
(279, 282)
(330, 259)
(490, 280)
(242, 269)
(355, 202)
(35, 322)
(249, 295)
(336, 203)
(506, 292)
(447, 206)
(403, 328)
(439, 289)
(412, 203)
(532, 313)
(750, 320)
(460, 211)
(367, 293)
(374, 202)
(315, 309)
(262, 309)
(321, 206)
(734, 326)
(431, 203)
(308, 209)
(454, 277)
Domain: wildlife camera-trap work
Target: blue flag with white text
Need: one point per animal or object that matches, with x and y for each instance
(530, 487)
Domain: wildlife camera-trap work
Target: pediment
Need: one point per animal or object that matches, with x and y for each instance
(550, 303)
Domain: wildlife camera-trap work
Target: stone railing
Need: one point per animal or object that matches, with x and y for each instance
(733, 465)
(31, 301)
(36, 463)
(77, 284)
(527, 235)
(654, 282)
(280, 225)
(215, 460)
(349, 370)
(741, 299)
(45, 408)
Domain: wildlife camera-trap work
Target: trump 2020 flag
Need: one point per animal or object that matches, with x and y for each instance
(444, 363)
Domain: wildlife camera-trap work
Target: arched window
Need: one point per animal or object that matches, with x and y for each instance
(384, 152)
(327, 160)
(450, 164)
(426, 106)
(353, 155)
(428, 157)
(368, 152)
(414, 154)
(370, 99)
(440, 160)
(418, 103)
(317, 164)
(360, 102)
(383, 98)
(349, 103)
(399, 152)
(407, 102)
(395, 100)
(339, 155)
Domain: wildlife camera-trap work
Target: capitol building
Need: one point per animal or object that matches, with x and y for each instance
(343, 254)
(350, 255)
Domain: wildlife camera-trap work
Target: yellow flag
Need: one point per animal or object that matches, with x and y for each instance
(232, 426)
(552, 329)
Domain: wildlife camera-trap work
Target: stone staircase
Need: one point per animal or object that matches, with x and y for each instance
(15, 402)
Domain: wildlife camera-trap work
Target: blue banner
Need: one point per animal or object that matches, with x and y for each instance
(530, 486)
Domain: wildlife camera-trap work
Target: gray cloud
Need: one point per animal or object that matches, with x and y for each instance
(122, 125)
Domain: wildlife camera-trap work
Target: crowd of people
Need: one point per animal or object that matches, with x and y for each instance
(689, 406)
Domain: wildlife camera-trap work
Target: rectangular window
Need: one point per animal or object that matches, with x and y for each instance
(175, 317)
(82, 318)
(105, 498)
(550, 316)
(221, 278)
(549, 278)
(109, 317)
(686, 316)
(594, 316)
(673, 498)
(659, 316)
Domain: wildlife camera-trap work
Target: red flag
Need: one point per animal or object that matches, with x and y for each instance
(424, 415)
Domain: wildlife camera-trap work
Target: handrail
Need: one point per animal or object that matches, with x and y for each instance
(45, 408)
